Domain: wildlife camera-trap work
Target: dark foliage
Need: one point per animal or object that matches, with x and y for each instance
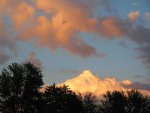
(114, 102)
(61, 100)
(137, 103)
(90, 103)
(19, 85)
(118, 102)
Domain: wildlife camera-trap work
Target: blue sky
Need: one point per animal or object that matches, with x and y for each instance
(122, 55)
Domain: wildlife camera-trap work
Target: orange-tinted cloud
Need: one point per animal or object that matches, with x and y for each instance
(22, 13)
(7, 6)
(57, 24)
(62, 28)
(112, 27)
(133, 16)
(88, 82)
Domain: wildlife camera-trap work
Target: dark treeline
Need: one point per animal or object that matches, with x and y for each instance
(19, 93)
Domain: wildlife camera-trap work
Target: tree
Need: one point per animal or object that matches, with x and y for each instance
(114, 102)
(60, 99)
(19, 85)
(137, 103)
(90, 103)
(118, 102)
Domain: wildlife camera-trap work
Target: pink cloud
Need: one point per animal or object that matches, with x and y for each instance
(58, 24)
(133, 16)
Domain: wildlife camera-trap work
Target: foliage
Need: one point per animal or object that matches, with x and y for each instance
(60, 99)
(114, 102)
(90, 103)
(137, 103)
(19, 85)
(132, 102)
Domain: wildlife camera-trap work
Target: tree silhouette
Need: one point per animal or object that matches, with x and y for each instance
(19, 85)
(60, 99)
(114, 102)
(90, 103)
(118, 102)
(137, 103)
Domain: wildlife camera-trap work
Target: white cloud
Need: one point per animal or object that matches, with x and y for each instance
(88, 82)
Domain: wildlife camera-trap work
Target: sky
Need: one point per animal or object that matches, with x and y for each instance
(111, 38)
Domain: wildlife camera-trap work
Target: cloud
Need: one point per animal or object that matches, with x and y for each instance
(88, 82)
(118, 28)
(61, 28)
(32, 58)
(107, 5)
(65, 24)
(137, 85)
(56, 24)
(111, 27)
(22, 13)
(145, 55)
(140, 35)
(133, 16)
(3, 58)
(124, 44)
(138, 76)
(147, 15)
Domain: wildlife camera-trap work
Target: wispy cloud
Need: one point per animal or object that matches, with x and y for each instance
(32, 58)
(147, 15)
(3, 58)
(145, 55)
